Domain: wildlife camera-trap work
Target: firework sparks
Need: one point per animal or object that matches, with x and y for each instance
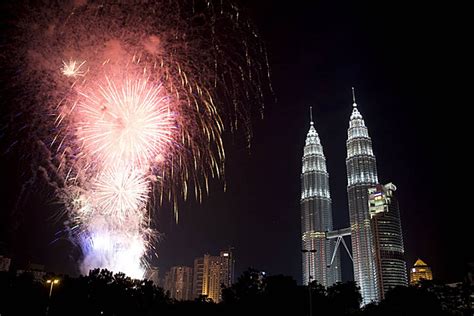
(124, 126)
(72, 68)
(124, 121)
(120, 192)
(146, 114)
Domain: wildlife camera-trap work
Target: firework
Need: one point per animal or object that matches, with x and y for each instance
(124, 121)
(119, 192)
(72, 68)
(132, 99)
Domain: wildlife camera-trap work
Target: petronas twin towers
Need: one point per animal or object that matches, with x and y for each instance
(320, 242)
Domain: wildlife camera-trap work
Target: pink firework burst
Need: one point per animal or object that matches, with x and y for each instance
(124, 120)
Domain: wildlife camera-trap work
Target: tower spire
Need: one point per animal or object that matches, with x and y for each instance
(316, 213)
(354, 104)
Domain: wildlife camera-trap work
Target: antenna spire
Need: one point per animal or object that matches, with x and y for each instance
(354, 104)
(311, 115)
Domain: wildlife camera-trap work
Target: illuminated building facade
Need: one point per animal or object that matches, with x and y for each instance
(211, 272)
(316, 215)
(211, 280)
(179, 283)
(375, 226)
(361, 176)
(227, 268)
(198, 277)
(420, 271)
(388, 238)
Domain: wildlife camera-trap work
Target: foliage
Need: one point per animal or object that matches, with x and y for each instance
(104, 293)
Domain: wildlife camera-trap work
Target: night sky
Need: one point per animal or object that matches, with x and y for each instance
(400, 59)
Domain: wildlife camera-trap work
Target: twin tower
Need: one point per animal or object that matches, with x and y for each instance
(375, 228)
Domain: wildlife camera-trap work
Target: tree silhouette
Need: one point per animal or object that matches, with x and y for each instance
(410, 301)
(104, 293)
(344, 298)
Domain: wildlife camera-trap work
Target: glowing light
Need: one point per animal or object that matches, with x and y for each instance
(125, 120)
(120, 192)
(116, 251)
(72, 68)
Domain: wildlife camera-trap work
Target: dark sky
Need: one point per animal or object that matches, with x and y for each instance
(400, 58)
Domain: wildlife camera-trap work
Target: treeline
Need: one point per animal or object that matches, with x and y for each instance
(105, 293)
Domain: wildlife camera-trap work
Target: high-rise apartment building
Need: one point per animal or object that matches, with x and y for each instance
(179, 283)
(227, 268)
(212, 277)
(211, 272)
(198, 277)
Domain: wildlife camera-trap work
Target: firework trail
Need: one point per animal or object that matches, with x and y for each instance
(131, 100)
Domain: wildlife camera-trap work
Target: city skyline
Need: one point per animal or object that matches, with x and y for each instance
(314, 60)
(374, 216)
(311, 138)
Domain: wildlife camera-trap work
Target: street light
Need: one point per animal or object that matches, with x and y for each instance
(52, 282)
(308, 251)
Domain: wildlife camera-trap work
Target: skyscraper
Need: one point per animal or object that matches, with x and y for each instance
(361, 175)
(198, 277)
(179, 282)
(212, 280)
(211, 272)
(316, 216)
(388, 238)
(227, 268)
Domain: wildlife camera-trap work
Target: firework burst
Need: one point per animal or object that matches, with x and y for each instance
(131, 99)
(124, 121)
(72, 68)
(120, 192)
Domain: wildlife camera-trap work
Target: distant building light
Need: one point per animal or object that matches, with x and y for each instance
(225, 254)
